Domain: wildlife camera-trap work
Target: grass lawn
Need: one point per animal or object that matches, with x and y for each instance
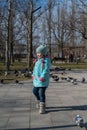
(72, 65)
(11, 77)
(16, 65)
(23, 65)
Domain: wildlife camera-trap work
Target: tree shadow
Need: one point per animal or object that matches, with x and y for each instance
(19, 129)
(66, 108)
(54, 127)
(45, 128)
(85, 125)
(51, 127)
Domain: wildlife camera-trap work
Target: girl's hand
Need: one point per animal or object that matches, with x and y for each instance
(32, 77)
(41, 79)
(35, 60)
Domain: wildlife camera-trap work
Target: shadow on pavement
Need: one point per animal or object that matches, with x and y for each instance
(85, 125)
(19, 129)
(51, 127)
(66, 108)
(45, 128)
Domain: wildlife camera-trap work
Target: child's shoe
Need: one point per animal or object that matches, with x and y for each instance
(42, 108)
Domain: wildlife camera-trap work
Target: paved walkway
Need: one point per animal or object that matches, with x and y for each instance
(64, 101)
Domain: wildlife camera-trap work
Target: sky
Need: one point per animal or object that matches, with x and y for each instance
(2, 2)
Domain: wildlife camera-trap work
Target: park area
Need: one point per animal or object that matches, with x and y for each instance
(66, 98)
(61, 26)
(19, 70)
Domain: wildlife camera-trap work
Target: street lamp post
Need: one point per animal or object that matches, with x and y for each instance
(7, 40)
(31, 39)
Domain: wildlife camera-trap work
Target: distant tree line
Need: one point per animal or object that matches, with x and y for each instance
(56, 23)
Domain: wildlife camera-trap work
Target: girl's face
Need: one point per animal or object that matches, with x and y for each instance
(39, 55)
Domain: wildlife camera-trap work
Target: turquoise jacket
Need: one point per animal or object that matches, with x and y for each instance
(39, 72)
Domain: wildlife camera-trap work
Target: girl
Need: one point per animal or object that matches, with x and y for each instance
(40, 76)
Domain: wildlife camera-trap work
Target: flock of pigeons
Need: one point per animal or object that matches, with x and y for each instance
(54, 74)
(16, 73)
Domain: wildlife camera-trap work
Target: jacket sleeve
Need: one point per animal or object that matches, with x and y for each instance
(46, 69)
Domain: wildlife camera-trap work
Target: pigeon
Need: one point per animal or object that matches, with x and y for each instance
(74, 81)
(83, 80)
(68, 79)
(69, 69)
(16, 72)
(56, 78)
(6, 73)
(79, 120)
(2, 81)
(16, 81)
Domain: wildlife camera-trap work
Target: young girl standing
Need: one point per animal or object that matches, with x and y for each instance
(40, 76)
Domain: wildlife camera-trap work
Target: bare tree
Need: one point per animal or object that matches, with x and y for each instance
(72, 23)
(81, 26)
(60, 27)
(49, 19)
(59, 23)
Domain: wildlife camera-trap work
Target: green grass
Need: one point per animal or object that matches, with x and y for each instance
(11, 77)
(22, 65)
(16, 65)
(72, 65)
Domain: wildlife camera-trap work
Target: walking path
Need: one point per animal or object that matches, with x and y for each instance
(64, 101)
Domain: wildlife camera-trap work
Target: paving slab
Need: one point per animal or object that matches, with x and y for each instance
(64, 101)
